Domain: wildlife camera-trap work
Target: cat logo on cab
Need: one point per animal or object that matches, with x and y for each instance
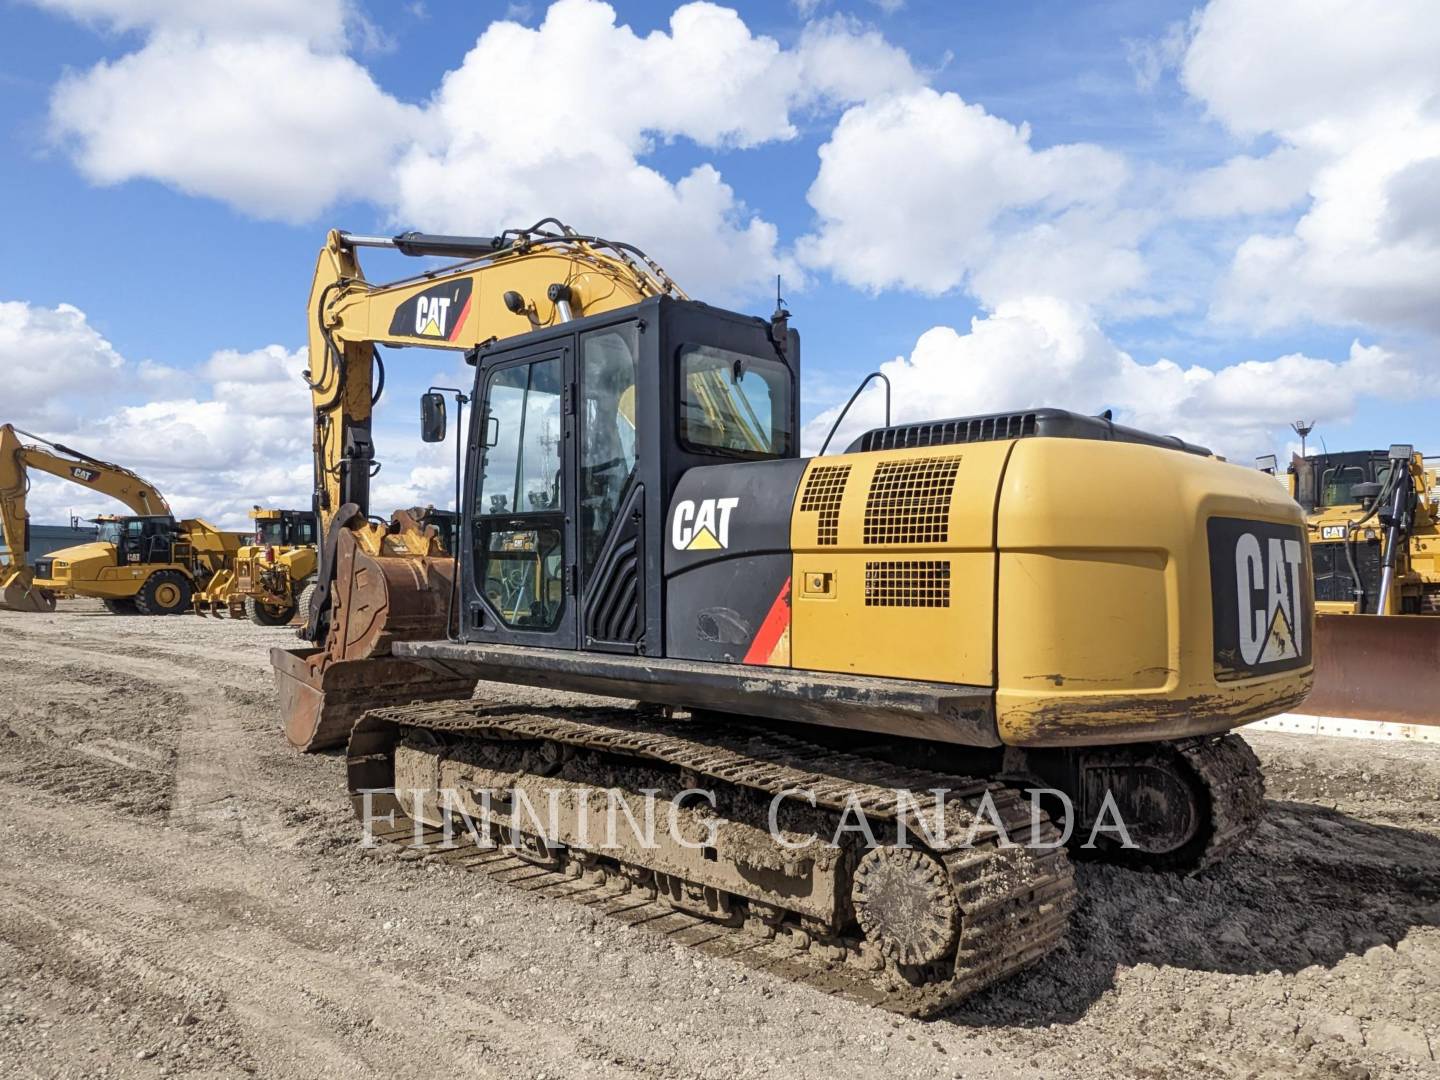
(702, 526)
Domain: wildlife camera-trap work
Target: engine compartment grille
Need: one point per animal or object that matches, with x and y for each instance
(907, 583)
(823, 494)
(950, 432)
(909, 501)
(1032, 423)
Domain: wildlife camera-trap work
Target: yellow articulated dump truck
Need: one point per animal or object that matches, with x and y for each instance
(270, 574)
(145, 565)
(928, 628)
(1372, 518)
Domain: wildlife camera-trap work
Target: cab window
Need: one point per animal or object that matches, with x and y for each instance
(607, 432)
(734, 404)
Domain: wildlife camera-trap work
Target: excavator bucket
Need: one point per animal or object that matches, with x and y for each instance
(18, 594)
(376, 600)
(1377, 667)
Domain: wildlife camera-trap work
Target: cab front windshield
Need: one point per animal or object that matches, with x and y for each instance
(1340, 473)
(108, 532)
(270, 533)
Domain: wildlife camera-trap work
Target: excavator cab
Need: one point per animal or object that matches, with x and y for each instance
(284, 528)
(139, 540)
(579, 435)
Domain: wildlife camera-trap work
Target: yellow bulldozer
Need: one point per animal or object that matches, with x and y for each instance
(1373, 524)
(149, 563)
(944, 617)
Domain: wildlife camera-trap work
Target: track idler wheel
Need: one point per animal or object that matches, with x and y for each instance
(1183, 805)
(905, 905)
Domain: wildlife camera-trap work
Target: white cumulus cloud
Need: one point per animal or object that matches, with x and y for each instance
(1035, 352)
(264, 123)
(55, 363)
(261, 107)
(925, 191)
(1354, 86)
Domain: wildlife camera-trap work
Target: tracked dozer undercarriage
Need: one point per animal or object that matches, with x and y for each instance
(883, 695)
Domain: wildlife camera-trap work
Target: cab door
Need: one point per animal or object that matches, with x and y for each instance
(522, 544)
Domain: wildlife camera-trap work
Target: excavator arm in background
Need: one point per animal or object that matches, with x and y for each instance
(377, 584)
(16, 459)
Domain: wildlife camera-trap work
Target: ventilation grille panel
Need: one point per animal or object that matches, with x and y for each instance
(909, 501)
(907, 583)
(950, 432)
(824, 492)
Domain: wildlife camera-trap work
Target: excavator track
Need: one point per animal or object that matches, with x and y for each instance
(925, 925)
(1230, 773)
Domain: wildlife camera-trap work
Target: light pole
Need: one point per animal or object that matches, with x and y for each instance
(1303, 428)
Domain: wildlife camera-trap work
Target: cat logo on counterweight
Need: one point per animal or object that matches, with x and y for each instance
(1262, 597)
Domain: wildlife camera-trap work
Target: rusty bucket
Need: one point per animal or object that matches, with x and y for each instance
(19, 594)
(377, 600)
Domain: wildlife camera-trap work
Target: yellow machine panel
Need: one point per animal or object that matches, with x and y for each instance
(1106, 631)
(894, 552)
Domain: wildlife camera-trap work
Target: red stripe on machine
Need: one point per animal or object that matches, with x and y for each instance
(460, 320)
(777, 621)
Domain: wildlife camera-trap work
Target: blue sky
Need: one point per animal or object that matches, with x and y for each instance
(1105, 116)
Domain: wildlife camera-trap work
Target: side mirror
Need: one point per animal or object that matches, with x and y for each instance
(1267, 464)
(432, 417)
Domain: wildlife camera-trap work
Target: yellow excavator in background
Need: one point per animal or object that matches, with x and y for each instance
(102, 477)
(1373, 521)
(946, 615)
(149, 563)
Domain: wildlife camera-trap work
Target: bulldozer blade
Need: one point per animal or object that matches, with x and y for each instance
(18, 594)
(1376, 667)
(320, 701)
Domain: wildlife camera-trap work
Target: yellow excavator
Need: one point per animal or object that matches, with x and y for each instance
(149, 563)
(16, 459)
(918, 630)
(1373, 522)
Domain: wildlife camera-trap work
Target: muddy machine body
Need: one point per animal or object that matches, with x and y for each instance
(974, 606)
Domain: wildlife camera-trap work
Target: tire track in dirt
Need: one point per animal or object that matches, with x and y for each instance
(342, 1013)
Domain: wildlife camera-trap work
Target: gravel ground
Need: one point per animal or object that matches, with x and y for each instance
(181, 895)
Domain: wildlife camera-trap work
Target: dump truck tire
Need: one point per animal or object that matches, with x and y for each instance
(264, 615)
(306, 596)
(167, 592)
(120, 607)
